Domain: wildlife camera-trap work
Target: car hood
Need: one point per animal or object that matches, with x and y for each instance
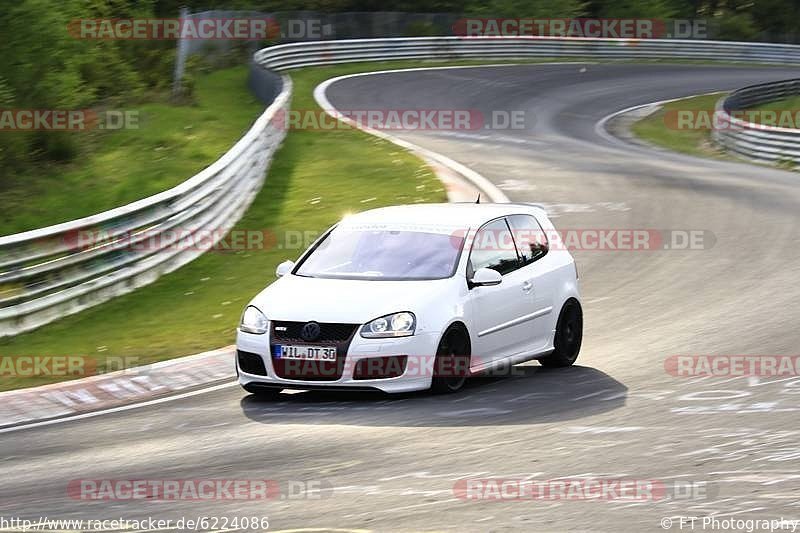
(300, 299)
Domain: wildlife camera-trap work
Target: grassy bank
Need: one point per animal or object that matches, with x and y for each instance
(786, 111)
(316, 177)
(660, 127)
(170, 144)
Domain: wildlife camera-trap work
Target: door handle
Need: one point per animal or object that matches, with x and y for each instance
(527, 286)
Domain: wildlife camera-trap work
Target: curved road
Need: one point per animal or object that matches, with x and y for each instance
(390, 464)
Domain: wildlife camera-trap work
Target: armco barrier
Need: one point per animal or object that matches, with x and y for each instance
(44, 276)
(287, 56)
(264, 83)
(767, 144)
(49, 273)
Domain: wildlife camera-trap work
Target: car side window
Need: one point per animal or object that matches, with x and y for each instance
(529, 237)
(493, 247)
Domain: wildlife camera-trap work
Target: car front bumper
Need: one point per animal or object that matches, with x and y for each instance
(419, 349)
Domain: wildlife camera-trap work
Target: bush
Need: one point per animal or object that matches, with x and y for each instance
(422, 28)
(736, 27)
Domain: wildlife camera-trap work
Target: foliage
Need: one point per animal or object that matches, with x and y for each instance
(43, 65)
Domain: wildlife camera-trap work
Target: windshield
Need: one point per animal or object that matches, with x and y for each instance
(383, 255)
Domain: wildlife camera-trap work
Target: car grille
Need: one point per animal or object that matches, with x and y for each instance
(251, 363)
(331, 334)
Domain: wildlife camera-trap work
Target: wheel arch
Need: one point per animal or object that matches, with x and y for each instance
(457, 323)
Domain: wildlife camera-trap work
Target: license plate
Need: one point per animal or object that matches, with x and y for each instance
(308, 353)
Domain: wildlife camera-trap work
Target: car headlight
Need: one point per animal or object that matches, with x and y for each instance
(253, 321)
(394, 325)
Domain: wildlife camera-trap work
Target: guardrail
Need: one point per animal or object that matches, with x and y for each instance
(45, 274)
(287, 56)
(51, 272)
(769, 144)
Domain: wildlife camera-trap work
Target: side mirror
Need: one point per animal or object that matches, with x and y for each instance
(284, 268)
(486, 277)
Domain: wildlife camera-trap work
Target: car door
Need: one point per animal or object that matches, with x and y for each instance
(539, 275)
(495, 311)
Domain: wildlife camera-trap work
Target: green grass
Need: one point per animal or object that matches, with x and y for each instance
(197, 307)
(787, 113)
(660, 127)
(172, 143)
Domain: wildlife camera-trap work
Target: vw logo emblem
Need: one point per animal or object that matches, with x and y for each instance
(310, 331)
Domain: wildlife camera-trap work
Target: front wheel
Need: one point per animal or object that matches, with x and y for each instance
(451, 366)
(569, 334)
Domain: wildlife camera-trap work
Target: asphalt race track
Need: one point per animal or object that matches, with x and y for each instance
(391, 463)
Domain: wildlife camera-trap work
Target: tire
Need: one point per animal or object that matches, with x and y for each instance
(263, 393)
(568, 337)
(451, 367)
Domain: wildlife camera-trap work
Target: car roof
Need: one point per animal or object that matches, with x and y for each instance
(463, 215)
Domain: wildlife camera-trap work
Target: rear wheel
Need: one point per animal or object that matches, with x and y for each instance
(569, 334)
(262, 393)
(451, 366)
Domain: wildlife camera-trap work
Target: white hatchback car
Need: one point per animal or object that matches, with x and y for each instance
(414, 297)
